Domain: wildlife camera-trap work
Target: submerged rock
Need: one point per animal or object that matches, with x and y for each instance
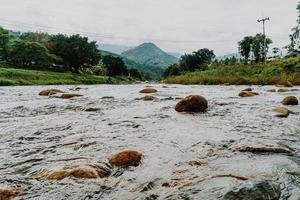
(290, 100)
(281, 112)
(89, 171)
(149, 98)
(272, 90)
(266, 149)
(148, 90)
(282, 90)
(69, 95)
(254, 190)
(126, 159)
(247, 89)
(10, 193)
(247, 94)
(49, 92)
(192, 103)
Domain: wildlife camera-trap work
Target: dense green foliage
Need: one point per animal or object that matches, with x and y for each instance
(276, 72)
(31, 55)
(11, 76)
(198, 60)
(75, 51)
(258, 45)
(61, 53)
(115, 66)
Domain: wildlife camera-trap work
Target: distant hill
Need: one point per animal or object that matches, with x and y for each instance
(149, 54)
(152, 71)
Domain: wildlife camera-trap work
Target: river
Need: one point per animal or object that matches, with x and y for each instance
(185, 156)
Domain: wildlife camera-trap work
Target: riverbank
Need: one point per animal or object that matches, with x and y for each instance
(276, 72)
(12, 76)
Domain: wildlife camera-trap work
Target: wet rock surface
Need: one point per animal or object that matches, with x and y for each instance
(256, 190)
(192, 103)
(185, 156)
(290, 100)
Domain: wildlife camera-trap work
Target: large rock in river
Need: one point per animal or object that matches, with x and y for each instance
(254, 190)
(126, 159)
(148, 90)
(290, 100)
(192, 103)
(247, 94)
(281, 112)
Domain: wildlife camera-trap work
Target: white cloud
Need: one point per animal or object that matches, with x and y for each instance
(174, 25)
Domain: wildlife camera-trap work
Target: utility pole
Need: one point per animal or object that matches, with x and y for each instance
(264, 33)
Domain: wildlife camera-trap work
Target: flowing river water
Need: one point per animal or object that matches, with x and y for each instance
(185, 156)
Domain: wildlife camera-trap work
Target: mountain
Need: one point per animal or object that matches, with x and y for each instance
(152, 71)
(118, 49)
(150, 55)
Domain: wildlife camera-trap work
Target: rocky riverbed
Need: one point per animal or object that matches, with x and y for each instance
(238, 149)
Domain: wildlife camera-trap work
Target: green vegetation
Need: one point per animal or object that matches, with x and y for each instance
(11, 76)
(276, 72)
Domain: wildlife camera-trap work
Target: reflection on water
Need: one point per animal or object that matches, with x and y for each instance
(185, 155)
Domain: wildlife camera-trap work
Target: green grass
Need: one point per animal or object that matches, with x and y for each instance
(12, 76)
(276, 72)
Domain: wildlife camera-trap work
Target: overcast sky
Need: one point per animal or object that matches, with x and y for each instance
(174, 25)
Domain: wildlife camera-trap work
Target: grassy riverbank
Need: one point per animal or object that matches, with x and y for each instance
(276, 72)
(12, 76)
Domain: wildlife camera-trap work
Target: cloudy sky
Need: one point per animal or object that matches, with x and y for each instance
(174, 25)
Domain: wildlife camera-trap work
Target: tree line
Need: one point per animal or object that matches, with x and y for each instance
(59, 52)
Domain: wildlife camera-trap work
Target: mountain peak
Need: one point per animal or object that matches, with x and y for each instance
(151, 55)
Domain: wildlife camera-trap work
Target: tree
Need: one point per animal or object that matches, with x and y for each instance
(31, 55)
(5, 37)
(294, 46)
(75, 51)
(132, 72)
(198, 60)
(260, 47)
(245, 47)
(115, 66)
(173, 70)
(256, 46)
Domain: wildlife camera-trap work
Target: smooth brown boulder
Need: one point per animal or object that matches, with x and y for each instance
(290, 100)
(49, 92)
(10, 193)
(149, 98)
(281, 112)
(148, 90)
(247, 89)
(247, 94)
(192, 103)
(126, 159)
